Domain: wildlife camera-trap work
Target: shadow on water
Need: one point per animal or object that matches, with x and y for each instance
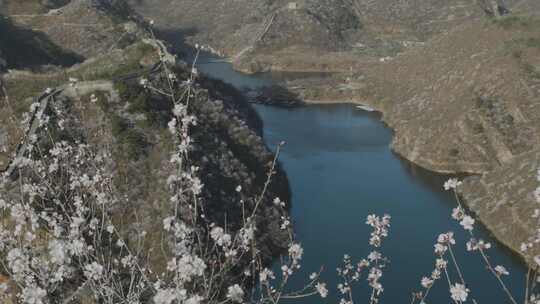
(177, 39)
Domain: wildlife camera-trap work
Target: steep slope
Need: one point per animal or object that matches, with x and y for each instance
(86, 28)
(467, 101)
(471, 94)
(505, 202)
(109, 110)
(308, 34)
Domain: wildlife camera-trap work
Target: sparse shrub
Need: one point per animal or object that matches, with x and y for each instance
(132, 143)
(516, 21)
(531, 70)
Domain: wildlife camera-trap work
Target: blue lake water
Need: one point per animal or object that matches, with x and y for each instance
(341, 169)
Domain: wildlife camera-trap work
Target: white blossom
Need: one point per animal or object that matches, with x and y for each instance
(164, 296)
(459, 292)
(500, 270)
(57, 251)
(93, 271)
(196, 299)
(235, 293)
(467, 222)
(374, 256)
(537, 260)
(220, 237)
(33, 295)
(458, 213)
(265, 275)
(426, 282)
(321, 289)
(296, 251)
(452, 183)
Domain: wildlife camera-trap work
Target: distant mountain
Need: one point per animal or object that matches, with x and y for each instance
(263, 34)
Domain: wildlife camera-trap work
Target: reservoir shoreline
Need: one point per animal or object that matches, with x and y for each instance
(327, 118)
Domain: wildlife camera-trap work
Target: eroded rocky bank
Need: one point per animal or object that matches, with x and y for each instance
(466, 102)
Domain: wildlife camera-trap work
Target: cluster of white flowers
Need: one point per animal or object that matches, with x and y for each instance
(285, 223)
(220, 237)
(34, 295)
(59, 230)
(444, 244)
(165, 296)
(459, 293)
(452, 184)
(54, 229)
(427, 282)
(380, 228)
(321, 289)
(235, 293)
(279, 202)
(199, 248)
(374, 263)
(501, 270)
(467, 222)
(93, 271)
(266, 275)
(473, 245)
